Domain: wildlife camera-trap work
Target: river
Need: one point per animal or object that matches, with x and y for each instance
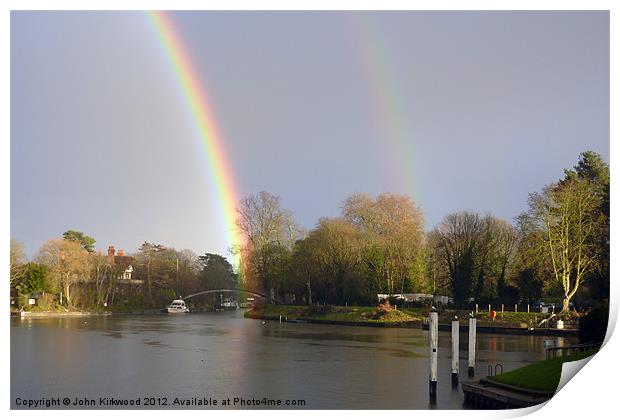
(214, 356)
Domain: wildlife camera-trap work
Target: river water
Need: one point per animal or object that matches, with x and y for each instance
(159, 358)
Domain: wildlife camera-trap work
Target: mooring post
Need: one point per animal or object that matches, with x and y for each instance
(433, 335)
(455, 352)
(472, 346)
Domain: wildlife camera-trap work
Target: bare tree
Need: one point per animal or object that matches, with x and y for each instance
(149, 258)
(457, 238)
(100, 271)
(493, 256)
(569, 215)
(16, 261)
(531, 265)
(505, 247)
(68, 263)
(269, 232)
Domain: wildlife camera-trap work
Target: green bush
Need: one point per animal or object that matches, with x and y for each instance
(593, 326)
(33, 279)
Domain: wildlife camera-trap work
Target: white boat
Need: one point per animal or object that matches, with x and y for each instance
(177, 307)
(228, 304)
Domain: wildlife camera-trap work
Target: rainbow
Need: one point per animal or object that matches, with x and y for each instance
(393, 124)
(195, 98)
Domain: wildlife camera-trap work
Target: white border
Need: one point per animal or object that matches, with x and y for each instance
(590, 392)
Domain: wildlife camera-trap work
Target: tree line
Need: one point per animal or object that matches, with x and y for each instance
(377, 245)
(558, 248)
(68, 272)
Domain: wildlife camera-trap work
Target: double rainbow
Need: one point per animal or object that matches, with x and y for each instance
(196, 100)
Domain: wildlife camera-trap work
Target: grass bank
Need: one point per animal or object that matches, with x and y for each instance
(390, 316)
(541, 376)
(507, 319)
(339, 314)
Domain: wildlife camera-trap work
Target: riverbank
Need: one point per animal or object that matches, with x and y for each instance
(524, 387)
(520, 323)
(542, 376)
(56, 314)
(381, 316)
(62, 313)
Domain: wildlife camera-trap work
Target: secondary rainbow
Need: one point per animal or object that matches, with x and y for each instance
(195, 98)
(385, 99)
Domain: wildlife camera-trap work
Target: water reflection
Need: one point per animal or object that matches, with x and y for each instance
(224, 355)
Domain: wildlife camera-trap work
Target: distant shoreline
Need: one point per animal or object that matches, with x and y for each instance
(410, 318)
(55, 314)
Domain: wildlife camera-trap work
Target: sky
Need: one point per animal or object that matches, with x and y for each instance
(458, 110)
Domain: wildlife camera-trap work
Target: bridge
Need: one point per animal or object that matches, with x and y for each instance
(205, 292)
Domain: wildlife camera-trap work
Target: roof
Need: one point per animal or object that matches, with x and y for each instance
(123, 261)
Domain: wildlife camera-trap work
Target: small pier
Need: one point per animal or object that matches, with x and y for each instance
(493, 395)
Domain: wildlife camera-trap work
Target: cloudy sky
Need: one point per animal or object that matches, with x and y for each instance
(459, 110)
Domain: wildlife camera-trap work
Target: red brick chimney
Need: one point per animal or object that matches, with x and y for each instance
(111, 254)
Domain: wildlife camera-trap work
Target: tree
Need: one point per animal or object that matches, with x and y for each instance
(328, 261)
(16, 261)
(85, 241)
(391, 228)
(33, 278)
(530, 267)
(269, 233)
(593, 168)
(303, 267)
(188, 266)
(216, 272)
(67, 261)
(150, 257)
(457, 239)
(494, 254)
(101, 270)
(569, 215)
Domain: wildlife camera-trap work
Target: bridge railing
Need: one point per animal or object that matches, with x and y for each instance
(204, 292)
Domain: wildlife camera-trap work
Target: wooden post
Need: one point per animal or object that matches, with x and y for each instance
(489, 308)
(502, 308)
(476, 308)
(433, 336)
(472, 346)
(515, 307)
(528, 308)
(455, 352)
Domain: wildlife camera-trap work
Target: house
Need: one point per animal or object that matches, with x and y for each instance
(123, 265)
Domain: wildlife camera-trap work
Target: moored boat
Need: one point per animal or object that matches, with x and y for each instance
(228, 304)
(177, 307)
